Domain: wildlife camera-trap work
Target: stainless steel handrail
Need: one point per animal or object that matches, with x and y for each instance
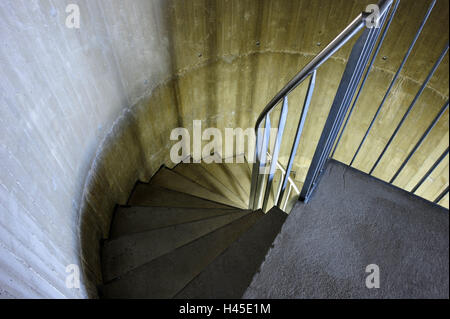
(351, 30)
(406, 113)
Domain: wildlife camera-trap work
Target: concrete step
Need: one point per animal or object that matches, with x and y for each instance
(128, 252)
(229, 275)
(165, 178)
(225, 175)
(165, 276)
(148, 195)
(198, 174)
(135, 219)
(271, 201)
(242, 173)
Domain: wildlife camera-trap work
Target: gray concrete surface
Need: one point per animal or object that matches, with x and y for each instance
(148, 195)
(75, 134)
(229, 275)
(61, 90)
(168, 179)
(352, 221)
(198, 174)
(129, 220)
(128, 252)
(165, 276)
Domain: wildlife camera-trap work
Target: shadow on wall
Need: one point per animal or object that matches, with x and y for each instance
(134, 149)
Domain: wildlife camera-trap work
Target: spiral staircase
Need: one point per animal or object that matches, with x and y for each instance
(188, 233)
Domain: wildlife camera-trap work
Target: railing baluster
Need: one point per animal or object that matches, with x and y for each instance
(425, 134)
(441, 195)
(287, 197)
(277, 196)
(405, 58)
(441, 57)
(276, 150)
(265, 144)
(301, 123)
(359, 57)
(262, 141)
(356, 76)
(264, 161)
(256, 161)
(428, 173)
(347, 87)
(366, 74)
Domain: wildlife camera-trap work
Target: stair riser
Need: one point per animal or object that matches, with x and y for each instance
(130, 220)
(181, 265)
(126, 253)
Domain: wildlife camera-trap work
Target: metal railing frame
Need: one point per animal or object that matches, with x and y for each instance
(356, 64)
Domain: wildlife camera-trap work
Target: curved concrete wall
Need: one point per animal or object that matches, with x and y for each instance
(62, 90)
(240, 53)
(89, 111)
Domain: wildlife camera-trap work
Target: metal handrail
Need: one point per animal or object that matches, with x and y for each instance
(289, 180)
(356, 25)
(309, 70)
(406, 113)
(283, 171)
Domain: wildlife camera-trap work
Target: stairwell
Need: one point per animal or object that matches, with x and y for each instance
(188, 234)
(86, 125)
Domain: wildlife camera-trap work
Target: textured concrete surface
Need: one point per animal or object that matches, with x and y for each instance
(352, 221)
(86, 112)
(129, 220)
(168, 179)
(147, 195)
(165, 276)
(123, 254)
(61, 90)
(198, 174)
(236, 181)
(229, 275)
(240, 53)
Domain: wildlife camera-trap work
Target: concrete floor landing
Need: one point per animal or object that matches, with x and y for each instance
(351, 221)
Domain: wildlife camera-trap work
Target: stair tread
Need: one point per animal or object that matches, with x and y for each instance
(198, 174)
(168, 179)
(149, 195)
(134, 219)
(180, 265)
(229, 275)
(128, 252)
(242, 172)
(226, 173)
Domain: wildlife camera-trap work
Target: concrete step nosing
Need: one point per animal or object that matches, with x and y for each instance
(184, 245)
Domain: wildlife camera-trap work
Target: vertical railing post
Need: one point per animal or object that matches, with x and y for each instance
(351, 77)
(377, 49)
(408, 111)
(262, 144)
(430, 170)
(276, 151)
(297, 136)
(394, 79)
